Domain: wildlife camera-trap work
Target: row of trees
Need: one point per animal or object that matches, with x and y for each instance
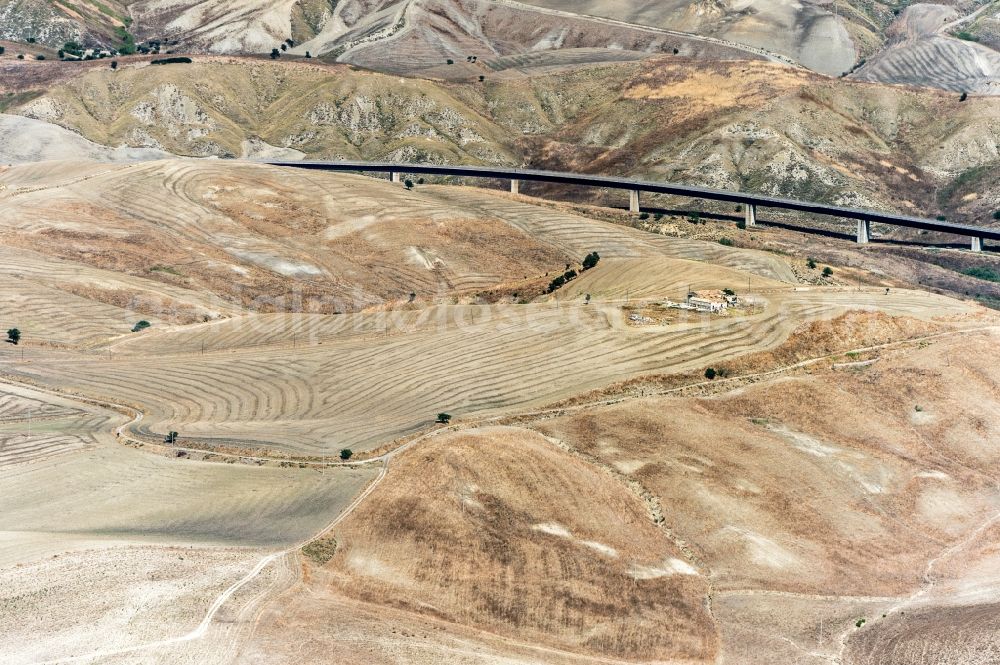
(589, 262)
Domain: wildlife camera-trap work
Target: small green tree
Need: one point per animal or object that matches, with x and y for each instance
(591, 260)
(141, 325)
(2, 49)
(811, 263)
(275, 54)
(408, 183)
(710, 373)
(996, 214)
(346, 454)
(14, 336)
(729, 292)
(827, 271)
(443, 418)
(170, 438)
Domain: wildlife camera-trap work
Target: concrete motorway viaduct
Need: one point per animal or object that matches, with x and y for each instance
(750, 202)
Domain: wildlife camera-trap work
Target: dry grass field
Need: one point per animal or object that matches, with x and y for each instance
(106, 546)
(805, 503)
(573, 512)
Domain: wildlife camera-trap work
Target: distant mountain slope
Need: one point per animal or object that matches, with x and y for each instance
(54, 23)
(456, 39)
(922, 52)
(739, 125)
(27, 140)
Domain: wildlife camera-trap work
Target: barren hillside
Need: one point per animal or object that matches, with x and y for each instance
(740, 125)
(819, 499)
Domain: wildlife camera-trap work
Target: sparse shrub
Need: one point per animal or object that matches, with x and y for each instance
(39, 57)
(710, 373)
(741, 224)
(443, 418)
(346, 454)
(963, 97)
(172, 61)
(586, 299)
(941, 218)
(860, 622)
(284, 47)
(20, 56)
(967, 36)
(420, 181)
(2, 50)
(996, 214)
(811, 263)
(141, 325)
(726, 241)
(32, 40)
(14, 336)
(308, 54)
(643, 215)
(676, 51)
(694, 218)
(981, 272)
(827, 271)
(61, 53)
(481, 78)
(450, 61)
(114, 64)
(918, 408)
(591, 260)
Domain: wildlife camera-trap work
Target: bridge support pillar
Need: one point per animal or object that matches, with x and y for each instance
(864, 231)
(977, 244)
(633, 200)
(515, 186)
(750, 215)
(394, 176)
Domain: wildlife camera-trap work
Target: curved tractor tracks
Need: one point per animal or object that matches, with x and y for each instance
(385, 459)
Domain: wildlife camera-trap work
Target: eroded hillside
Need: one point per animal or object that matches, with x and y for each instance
(739, 125)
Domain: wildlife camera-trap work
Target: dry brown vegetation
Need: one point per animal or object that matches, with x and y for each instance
(499, 529)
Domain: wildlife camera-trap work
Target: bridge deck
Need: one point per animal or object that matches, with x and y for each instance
(612, 182)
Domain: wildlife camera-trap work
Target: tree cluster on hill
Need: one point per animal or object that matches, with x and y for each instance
(589, 262)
